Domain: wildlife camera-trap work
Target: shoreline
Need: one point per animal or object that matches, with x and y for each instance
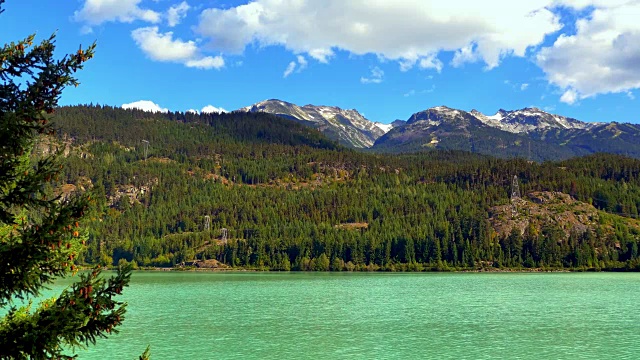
(485, 270)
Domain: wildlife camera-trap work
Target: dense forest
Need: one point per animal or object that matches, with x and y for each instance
(287, 198)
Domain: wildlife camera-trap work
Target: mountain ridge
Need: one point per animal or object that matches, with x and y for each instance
(528, 132)
(347, 126)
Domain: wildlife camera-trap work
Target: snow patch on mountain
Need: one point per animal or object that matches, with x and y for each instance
(384, 127)
(530, 120)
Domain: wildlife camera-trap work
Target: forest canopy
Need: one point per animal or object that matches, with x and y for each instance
(290, 199)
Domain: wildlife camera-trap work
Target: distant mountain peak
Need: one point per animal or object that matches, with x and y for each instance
(533, 108)
(346, 126)
(264, 103)
(436, 115)
(441, 108)
(267, 101)
(527, 132)
(350, 127)
(529, 119)
(398, 122)
(445, 110)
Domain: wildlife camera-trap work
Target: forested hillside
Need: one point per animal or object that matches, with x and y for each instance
(292, 200)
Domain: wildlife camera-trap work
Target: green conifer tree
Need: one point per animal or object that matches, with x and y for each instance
(39, 231)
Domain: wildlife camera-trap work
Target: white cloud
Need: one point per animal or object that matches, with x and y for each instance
(431, 62)
(603, 56)
(290, 69)
(322, 55)
(300, 65)
(516, 86)
(408, 31)
(145, 105)
(209, 109)
(176, 13)
(421, 92)
(375, 78)
(162, 47)
(410, 93)
(406, 64)
(208, 62)
(96, 12)
(630, 95)
(212, 109)
(570, 97)
(467, 54)
(302, 62)
(86, 29)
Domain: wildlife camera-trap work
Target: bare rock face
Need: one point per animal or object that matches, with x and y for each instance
(210, 264)
(544, 208)
(131, 192)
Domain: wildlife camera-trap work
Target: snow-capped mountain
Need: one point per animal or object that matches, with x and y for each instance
(529, 120)
(348, 127)
(528, 132)
(442, 114)
(525, 120)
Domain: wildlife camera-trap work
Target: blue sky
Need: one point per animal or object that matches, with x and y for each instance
(387, 59)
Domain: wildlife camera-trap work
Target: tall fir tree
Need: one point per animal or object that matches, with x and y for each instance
(40, 233)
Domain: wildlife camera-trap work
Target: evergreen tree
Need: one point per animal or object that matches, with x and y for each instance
(39, 231)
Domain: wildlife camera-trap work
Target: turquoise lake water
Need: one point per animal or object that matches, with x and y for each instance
(378, 316)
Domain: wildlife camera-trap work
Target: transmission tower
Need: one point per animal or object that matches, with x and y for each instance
(515, 188)
(207, 223)
(146, 149)
(515, 195)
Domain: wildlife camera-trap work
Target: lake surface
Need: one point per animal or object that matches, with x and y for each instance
(378, 316)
